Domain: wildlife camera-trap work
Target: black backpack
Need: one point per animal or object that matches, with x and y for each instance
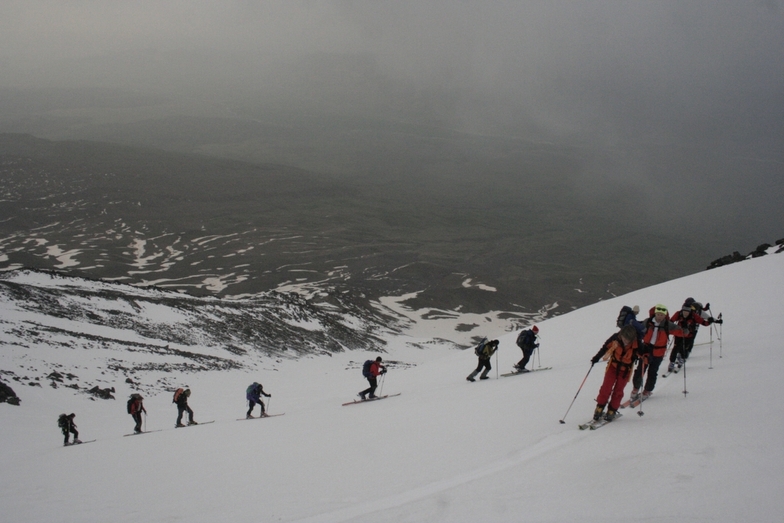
(625, 311)
(478, 350)
(366, 368)
(133, 398)
(62, 421)
(526, 339)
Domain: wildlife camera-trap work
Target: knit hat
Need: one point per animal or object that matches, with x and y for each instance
(535, 329)
(660, 308)
(636, 309)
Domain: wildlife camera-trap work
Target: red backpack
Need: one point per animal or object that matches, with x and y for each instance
(177, 395)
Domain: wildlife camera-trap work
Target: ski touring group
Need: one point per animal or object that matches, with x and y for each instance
(637, 350)
(634, 353)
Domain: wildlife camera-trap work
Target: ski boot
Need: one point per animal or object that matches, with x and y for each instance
(191, 422)
(597, 414)
(610, 415)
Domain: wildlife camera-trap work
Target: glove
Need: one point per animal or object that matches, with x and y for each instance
(707, 307)
(718, 321)
(384, 371)
(595, 359)
(536, 345)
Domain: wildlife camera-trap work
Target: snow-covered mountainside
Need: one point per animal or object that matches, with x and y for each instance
(707, 448)
(149, 334)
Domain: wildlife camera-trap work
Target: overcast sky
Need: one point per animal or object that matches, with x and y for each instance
(706, 73)
(562, 61)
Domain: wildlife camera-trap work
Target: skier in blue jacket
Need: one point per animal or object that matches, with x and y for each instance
(253, 395)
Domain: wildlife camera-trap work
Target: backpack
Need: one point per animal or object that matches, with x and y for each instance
(479, 349)
(625, 311)
(621, 355)
(366, 368)
(253, 391)
(177, 395)
(133, 398)
(526, 339)
(62, 421)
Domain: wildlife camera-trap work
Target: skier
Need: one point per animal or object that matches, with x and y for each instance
(622, 347)
(68, 427)
(371, 370)
(181, 399)
(526, 340)
(253, 394)
(658, 329)
(135, 409)
(484, 351)
(684, 339)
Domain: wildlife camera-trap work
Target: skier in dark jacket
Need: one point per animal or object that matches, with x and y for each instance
(181, 400)
(68, 427)
(374, 370)
(484, 351)
(526, 340)
(135, 409)
(688, 320)
(253, 394)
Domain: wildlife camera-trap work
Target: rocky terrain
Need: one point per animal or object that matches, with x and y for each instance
(52, 326)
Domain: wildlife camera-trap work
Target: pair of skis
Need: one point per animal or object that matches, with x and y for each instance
(630, 403)
(80, 443)
(598, 423)
(261, 417)
(516, 372)
(634, 402)
(159, 430)
(357, 402)
(673, 371)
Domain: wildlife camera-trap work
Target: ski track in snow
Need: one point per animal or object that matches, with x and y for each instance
(367, 508)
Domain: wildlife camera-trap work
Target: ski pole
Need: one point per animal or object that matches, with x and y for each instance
(643, 379)
(684, 379)
(538, 357)
(719, 334)
(575, 396)
(538, 354)
(496, 363)
(383, 379)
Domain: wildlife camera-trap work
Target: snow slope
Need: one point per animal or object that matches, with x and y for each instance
(445, 450)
